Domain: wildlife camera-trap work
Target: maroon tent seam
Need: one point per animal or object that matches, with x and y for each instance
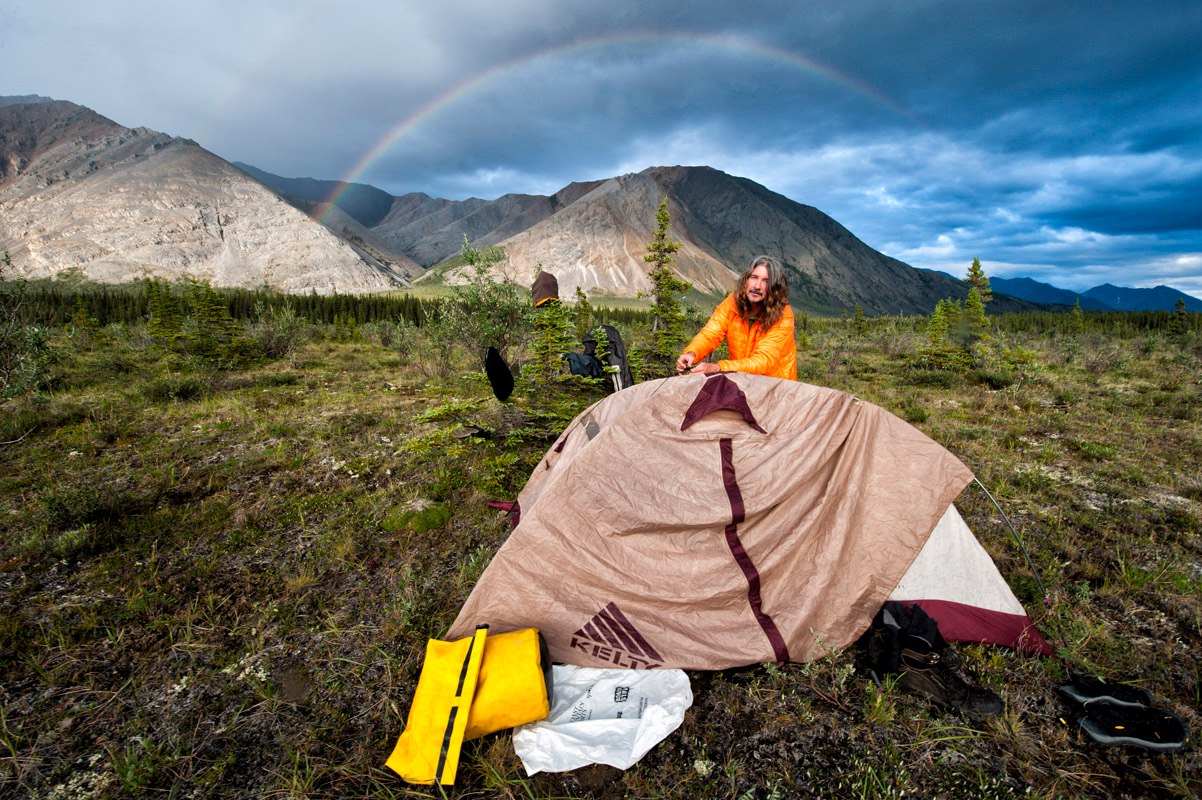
(737, 512)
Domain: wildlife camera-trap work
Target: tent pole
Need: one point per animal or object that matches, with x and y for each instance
(1030, 564)
(1021, 545)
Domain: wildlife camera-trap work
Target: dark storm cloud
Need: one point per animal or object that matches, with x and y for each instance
(1060, 140)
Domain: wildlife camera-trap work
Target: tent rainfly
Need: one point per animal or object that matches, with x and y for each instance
(708, 522)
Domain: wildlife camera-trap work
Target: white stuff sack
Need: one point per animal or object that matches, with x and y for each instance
(603, 716)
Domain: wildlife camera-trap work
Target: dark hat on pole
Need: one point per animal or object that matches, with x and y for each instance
(545, 288)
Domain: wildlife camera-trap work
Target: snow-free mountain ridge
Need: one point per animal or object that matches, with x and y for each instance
(80, 192)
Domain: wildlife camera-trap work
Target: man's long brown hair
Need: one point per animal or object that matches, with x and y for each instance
(776, 299)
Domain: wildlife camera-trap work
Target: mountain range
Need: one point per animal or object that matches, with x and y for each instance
(80, 192)
(1106, 297)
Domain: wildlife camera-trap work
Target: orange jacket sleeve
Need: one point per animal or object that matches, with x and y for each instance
(715, 329)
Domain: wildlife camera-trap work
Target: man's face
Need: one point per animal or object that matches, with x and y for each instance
(757, 284)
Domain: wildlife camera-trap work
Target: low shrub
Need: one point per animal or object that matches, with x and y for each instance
(176, 387)
(940, 379)
(277, 331)
(995, 378)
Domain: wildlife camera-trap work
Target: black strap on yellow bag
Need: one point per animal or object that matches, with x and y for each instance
(467, 689)
(428, 750)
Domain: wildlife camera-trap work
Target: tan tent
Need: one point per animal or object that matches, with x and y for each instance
(711, 522)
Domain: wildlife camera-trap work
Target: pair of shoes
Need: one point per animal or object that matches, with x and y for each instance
(1115, 714)
(931, 675)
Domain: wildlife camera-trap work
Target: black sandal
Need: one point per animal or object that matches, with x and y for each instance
(1087, 689)
(1135, 726)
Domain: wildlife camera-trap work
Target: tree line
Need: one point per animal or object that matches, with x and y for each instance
(51, 302)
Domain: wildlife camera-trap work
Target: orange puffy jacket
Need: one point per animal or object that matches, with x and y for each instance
(772, 352)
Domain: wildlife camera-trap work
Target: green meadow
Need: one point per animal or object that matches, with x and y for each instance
(229, 522)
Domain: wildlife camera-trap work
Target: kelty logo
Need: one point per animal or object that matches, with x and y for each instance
(610, 636)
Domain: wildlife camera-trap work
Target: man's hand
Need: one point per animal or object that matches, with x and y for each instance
(685, 361)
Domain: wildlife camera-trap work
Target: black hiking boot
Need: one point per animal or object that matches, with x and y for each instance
(883, 647)
(929, 674)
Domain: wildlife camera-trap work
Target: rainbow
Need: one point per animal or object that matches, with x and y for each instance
(735, 44)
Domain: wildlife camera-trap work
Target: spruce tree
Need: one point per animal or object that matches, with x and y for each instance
(859, 323)
(209, 330)
(85, 327)
(979, 281)
(166, 321)
(667, 291)
(1076, 318)
(975, 321)
(1179, 323)
(943, 319)
(582, 314)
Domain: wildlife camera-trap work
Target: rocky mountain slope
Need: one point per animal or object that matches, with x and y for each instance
(593, 235)
(78, 191)
(596, 235)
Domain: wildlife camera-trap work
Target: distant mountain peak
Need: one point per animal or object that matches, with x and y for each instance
(1158, 298)
(78, 191)
(1044, 293)
(367, 205)
(24, 99)
(1106, 297)
(593, 236)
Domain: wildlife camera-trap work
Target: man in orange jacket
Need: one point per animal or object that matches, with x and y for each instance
(757, 324)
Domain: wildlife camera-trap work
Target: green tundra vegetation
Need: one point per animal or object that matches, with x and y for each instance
(230, 520)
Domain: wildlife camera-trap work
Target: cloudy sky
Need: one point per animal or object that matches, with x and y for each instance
(1057, 140)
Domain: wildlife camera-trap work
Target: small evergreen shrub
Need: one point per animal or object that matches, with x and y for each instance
(486, 312)
(913, 412)
(25, 357)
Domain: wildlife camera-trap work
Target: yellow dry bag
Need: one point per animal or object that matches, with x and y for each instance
(469, 688)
